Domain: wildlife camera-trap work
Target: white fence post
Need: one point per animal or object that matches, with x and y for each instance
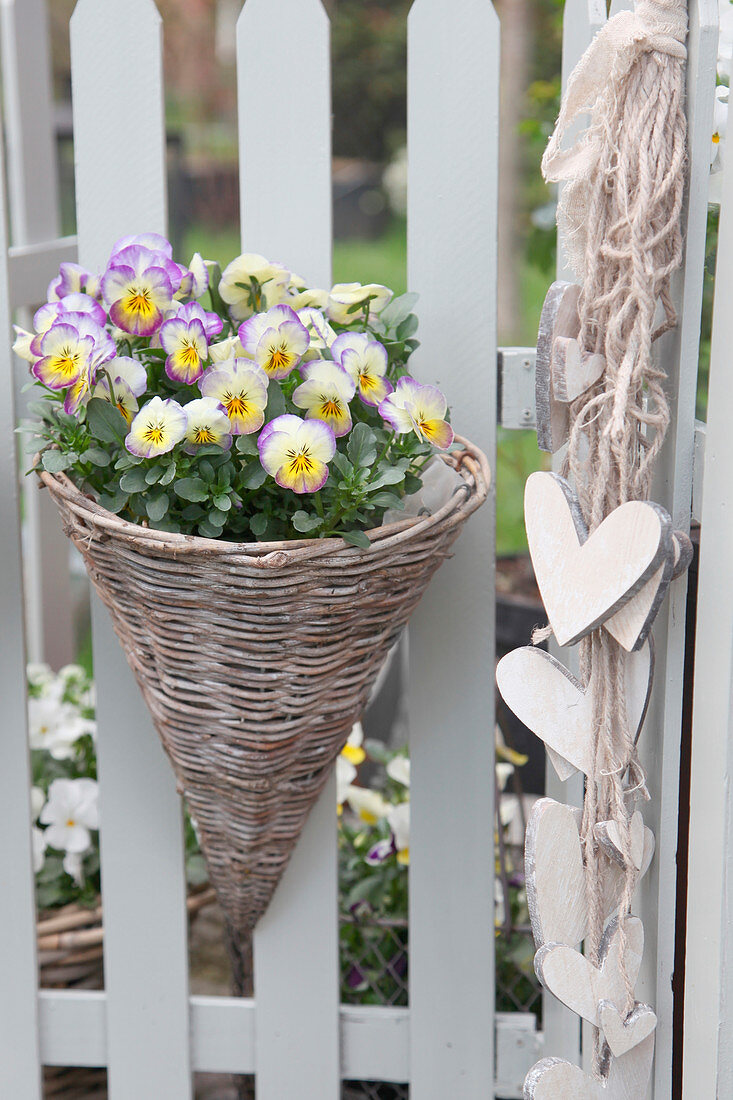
(20, 1074)
(285, 180)
(34, 217)
(120, 155)
(453, 96)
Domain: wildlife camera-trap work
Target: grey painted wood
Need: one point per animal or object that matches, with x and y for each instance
(19, 1045)
(286, 215)
(453, 69)
(120, 187)
(708, 1035)
(33, 266)
(34, 217)
(660, 739)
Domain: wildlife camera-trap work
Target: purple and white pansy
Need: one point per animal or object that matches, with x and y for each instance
(277, 340)
(297, 452)
(413, 407)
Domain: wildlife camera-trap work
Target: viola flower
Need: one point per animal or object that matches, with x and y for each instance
(307, 298)
(326, 394)
(22, 344)
(212, 322)
(195, 280)
(76, 304)
(207, 423)
(154, 242)
(157, 428)
(344, 296)
(73, 279)
(129, 381)
(398, 769)
(418, 409)
(345, 776)
(368, 805)
(296, 452)
(55, 726)
(138, 290)
(398, 820)
(71, 811)
(246, 279)
(64, 356)
(231, 348)
(185, 342)
(241, 387)
(38, 841)
(322, 336)
(366, 361)
(352, 750)
(276, 340)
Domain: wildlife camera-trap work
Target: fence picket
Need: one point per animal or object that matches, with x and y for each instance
(34, 216)
(120, 156)
(19, 1063)
(285, 154)
(453, 90)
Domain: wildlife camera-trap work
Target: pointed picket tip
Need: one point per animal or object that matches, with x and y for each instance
(452, 10)
(128, 11)
(277, 13)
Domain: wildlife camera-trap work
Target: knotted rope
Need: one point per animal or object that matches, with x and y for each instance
(620, 215)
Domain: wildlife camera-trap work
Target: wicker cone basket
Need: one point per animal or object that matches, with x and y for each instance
(255, 659)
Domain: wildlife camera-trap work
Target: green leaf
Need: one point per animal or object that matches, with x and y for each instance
(387, 500)
(209, 530)
(356, 538)
(193, 511)
(391, 476)
(157, 506)
(398, 309)
(169, 474)
(207, 471)
(407, 328)
(114, 502)
(222, 502)
(275, 401)
(217, 518)
(133, 481)
(258, 524)
(106, 422)
(253, 475)
(246, 444)
(154, 474)
(342, 464)
(55, 462)
(362, 445)
(304, 522)
(191, 488)
(413, 483)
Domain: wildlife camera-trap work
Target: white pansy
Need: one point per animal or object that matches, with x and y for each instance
(345, 296)
(725, 39)
(503, 771)
(39, 675)
(71, 811)
(231, 348)
(398, 820)
(37, 800)
(38, 841)
(345, 776)
(717, 146)
(352, 750)
(370, 806)
(399, 769)
(73, 865)
(499, 914)
(56, 726)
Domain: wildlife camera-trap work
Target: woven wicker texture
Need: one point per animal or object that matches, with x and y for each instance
(255, 659)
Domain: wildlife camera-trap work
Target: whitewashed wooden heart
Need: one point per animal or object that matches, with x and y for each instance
(550, 701)
(559, 317)
(579, 984)
(628, 1078)
(624, 1034)
(585, 580)
(608, 835)
(555, 874)
(573, 370)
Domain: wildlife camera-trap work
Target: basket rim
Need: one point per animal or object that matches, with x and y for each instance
(471, 463)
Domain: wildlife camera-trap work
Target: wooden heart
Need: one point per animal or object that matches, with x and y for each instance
(585, 580)
(555, 874)
(573, 370)
(628, 1078)
(608, 835)
(551, 702)
(559, 317)
(579, 984)
(631, 625)
(624, 1034)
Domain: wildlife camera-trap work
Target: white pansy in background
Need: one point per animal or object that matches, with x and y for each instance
(71, 812)
(503, 771)
(345, 776)
(398, 769)
(368, 805)
(248, 279)
(348, 302)
(56, 726)
(73, 864)
(352, 750)
(38, 841)
(398, 820)
(39, 675)
(725, 39)
(37, 800)
(717, 146)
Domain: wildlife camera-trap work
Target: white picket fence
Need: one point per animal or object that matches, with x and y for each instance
(294, 1035)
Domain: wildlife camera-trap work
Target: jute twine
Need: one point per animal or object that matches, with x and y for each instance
(255, 660)
(620, 213)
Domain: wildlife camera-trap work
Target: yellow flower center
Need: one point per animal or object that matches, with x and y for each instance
(139, 300)
(65, 363)
(280, 358)
(330, 406)
(300, 461)
(203, 434)
(716, 138)
(236, 405)
(70, 823)
(188, 354)
(125, 412)
(366, 380)
(153, 432)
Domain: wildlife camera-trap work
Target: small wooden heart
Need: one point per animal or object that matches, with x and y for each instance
(628, 1078)
(549, 700)
(559, 317)
(624, 1034)
(574, 980)
(609, 836)
(586, 580)
(555, 874)
(573, 370)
